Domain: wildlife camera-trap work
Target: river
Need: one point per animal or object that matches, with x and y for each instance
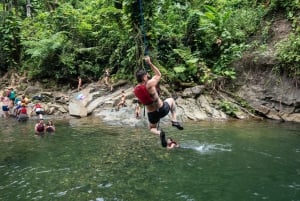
(87, 160)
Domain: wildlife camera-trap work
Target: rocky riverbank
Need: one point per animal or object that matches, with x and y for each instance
(260, 100)
(96, 100)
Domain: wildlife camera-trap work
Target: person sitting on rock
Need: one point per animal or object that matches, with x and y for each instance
(38, 110)
(24, 100)
(122, 101)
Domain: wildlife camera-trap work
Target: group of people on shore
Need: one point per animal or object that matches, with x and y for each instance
(146, 92)
(18, 108)
(14, 106)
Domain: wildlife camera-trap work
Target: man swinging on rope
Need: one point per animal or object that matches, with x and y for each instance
(147, 94)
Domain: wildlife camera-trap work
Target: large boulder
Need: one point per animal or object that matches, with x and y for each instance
(78, 103)
(76, 108)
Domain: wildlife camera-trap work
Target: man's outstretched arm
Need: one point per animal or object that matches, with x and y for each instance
(157, 74)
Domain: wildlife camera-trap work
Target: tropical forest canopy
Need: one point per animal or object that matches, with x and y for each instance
(191, 41)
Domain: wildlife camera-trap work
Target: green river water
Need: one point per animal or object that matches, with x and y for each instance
(87, 160)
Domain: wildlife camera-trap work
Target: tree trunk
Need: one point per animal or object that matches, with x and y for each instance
(28, 8)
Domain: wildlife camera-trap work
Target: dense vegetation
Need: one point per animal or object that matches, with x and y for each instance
(191, 41)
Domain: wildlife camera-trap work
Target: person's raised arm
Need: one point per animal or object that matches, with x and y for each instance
(157, 73)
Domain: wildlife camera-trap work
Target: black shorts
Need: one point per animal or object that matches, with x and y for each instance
(39, 112)
(5, 108)
(155, 116)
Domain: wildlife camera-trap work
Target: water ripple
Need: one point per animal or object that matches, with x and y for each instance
(294, 186)
(60, 194)
(185, 197)
(206, 148)
(105, 185)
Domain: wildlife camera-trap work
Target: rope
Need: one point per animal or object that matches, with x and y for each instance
(144, 37)
(142, 27)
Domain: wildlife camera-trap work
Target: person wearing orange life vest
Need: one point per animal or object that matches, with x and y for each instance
(146, 92)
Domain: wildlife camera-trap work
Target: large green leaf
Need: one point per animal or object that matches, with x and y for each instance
(179, 69)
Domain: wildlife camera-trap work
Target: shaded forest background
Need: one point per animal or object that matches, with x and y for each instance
(192, 42)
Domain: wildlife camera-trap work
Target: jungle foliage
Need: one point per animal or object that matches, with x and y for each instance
(190, 41)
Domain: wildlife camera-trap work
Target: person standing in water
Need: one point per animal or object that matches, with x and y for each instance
(146, 92)
(50, 127)
(40, 127)
(5, 104)
(137, 110)
(22, 113)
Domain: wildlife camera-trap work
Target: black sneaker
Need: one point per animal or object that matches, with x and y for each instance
(177, 125)
(163, 140)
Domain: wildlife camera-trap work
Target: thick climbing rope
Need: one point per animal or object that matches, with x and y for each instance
(143, 28)
(144, 36)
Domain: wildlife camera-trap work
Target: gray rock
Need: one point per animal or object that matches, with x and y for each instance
(193, 91)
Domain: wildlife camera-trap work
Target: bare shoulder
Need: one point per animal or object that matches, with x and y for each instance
(152, 82)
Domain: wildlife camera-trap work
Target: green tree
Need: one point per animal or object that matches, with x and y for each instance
(191, 41)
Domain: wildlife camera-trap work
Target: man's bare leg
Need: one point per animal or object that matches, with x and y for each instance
(161, 133)
(172, 105)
